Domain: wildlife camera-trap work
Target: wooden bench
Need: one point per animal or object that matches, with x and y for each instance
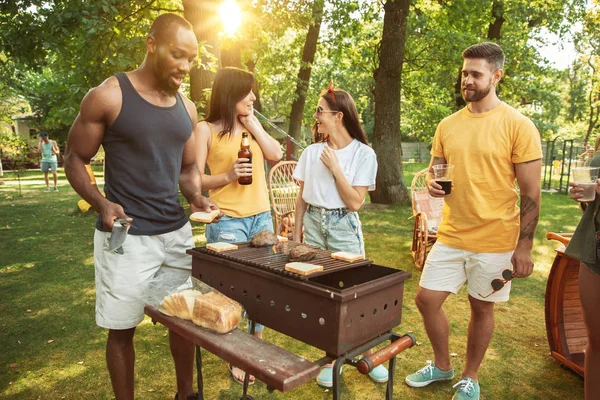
(277, 368)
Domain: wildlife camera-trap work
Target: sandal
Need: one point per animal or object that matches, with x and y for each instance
(241, 382)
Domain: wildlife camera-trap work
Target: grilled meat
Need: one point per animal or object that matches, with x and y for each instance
(303, 252)
(264, 238)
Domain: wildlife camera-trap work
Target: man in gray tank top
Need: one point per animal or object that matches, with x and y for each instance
(145, 126)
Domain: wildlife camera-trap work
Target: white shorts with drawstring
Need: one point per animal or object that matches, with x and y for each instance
(447, 269)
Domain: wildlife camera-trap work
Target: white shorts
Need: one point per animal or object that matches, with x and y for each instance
(447, 269)
(122, 278)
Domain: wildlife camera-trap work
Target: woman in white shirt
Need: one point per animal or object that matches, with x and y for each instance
(334, 179)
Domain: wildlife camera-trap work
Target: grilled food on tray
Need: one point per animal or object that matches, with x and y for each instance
(212, 310)
(302, 252)
(264, 238)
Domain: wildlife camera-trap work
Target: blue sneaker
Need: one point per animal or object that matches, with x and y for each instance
(379, 374)
(466, 389)
(428, 374)
(325, 377)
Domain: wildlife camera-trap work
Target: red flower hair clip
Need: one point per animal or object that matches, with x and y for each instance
(331, 91)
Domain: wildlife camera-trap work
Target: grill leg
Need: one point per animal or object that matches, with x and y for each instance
(199, 373)
(337, 377)
(390, 383)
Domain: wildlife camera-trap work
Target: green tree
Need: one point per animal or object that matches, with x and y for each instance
(306, 63)
(391, 188)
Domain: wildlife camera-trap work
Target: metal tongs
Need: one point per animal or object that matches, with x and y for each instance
(118, 235)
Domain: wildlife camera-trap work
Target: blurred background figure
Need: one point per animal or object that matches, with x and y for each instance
(49, 151)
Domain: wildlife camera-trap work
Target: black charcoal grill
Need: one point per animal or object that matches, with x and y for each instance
(342, 310)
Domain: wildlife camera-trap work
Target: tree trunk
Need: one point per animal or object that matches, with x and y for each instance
(308, 57)
(231, 53)
(494, 33)
(251, 65)
(592, 121)
(593, 99)
(203, 15)
(391, 188)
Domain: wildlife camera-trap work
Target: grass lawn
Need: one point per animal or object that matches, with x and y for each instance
(52, 349)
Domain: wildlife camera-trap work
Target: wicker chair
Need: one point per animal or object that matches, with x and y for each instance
(283, 190)
(427, 212)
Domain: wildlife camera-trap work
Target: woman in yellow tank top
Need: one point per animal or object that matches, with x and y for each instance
(218, 138)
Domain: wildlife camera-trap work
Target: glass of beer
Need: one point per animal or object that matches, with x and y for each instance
(585, 178)
(442, 175)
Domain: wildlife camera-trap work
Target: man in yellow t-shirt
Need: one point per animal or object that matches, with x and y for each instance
(483, 231)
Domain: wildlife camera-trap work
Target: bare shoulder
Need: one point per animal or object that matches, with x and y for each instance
(204, 131)
(102, 102)
(190, 107)
(107, 94)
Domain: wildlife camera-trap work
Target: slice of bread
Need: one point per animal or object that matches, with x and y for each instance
(282, 238)
(346, 256)
(221, 246)
(303, 268)
(203, 216)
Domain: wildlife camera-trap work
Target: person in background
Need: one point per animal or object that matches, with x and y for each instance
(584, 246)
(246, 207)
(49, 151)
(145, 126)
(483, 234)
(334, 177)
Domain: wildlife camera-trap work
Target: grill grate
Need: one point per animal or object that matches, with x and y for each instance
(274, 259)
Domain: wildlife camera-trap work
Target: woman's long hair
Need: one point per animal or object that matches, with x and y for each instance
(229, 87)
(340, 100)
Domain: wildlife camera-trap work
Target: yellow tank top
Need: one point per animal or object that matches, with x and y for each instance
(233, 199)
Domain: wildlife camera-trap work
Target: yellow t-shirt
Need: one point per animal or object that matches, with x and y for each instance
(233, 199)
(481, 213)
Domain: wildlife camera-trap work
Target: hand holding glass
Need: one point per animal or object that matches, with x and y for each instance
(585, 178)
(442, 175)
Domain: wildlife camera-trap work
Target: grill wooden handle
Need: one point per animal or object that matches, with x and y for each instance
(564, 238)
(366, 364)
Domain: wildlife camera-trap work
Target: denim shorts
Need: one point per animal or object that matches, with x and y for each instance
(333, 229)
(49, 165)
(236, 230)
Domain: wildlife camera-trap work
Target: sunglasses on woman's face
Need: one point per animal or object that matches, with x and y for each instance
(498, 284)
(320, 110)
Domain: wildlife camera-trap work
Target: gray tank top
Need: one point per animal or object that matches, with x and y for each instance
(143, 153)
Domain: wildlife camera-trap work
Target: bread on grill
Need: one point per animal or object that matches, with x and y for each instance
(221, 246)
(346, 256)
(303, 268)
(216, 312)
(203, 216)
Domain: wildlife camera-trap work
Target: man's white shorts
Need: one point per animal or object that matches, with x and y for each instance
(447, 269)
(122, 278)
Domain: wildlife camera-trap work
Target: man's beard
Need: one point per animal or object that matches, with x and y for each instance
(476, 95)
(164, 77)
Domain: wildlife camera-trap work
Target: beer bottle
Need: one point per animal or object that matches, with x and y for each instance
(245, 153)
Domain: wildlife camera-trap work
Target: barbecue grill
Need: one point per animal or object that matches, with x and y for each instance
(341, 310)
